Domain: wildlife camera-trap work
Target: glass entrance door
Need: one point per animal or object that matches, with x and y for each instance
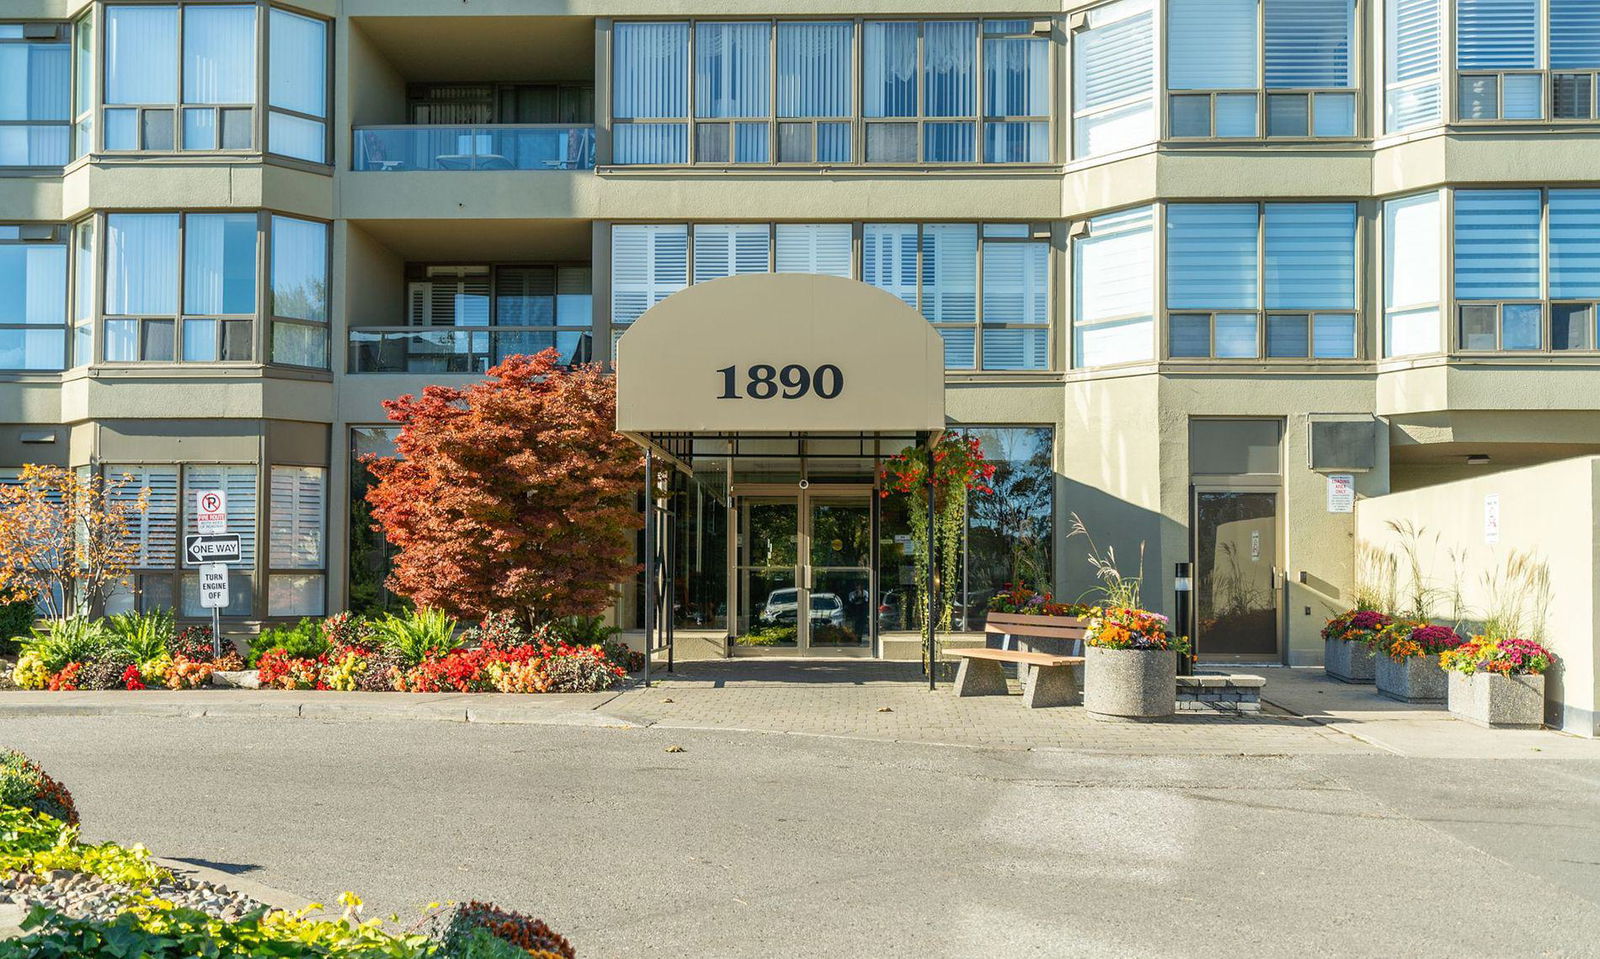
(1236, 573)
(804, 573)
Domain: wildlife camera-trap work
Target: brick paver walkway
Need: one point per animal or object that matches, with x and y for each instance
(865, 699)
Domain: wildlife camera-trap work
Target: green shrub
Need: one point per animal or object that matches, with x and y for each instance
(142, 636)
(77, 639)
(16, 622)
(303, 640)
(584, 630)
(25, 785)
(417, 635)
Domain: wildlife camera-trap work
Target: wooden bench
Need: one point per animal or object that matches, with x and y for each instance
(1053, 680)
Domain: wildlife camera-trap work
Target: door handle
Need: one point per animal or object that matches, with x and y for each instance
(805, 576)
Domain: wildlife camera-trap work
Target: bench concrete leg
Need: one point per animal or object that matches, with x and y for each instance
(980, 677)
(1051, 686)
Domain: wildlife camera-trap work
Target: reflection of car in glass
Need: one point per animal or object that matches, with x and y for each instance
(781, 604)
(892, 613)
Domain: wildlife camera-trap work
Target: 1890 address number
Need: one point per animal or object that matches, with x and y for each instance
(764, 382)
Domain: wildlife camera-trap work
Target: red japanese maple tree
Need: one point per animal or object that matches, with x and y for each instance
(513, 494)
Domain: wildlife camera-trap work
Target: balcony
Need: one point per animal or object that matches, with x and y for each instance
(487, 147)
(461, 350)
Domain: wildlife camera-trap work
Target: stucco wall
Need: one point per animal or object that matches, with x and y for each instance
(1546, 511)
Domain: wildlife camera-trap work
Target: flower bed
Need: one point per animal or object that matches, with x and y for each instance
(105, 901)
(419, 652)
(1408, 665)
(1348, 645)
(1497, 682)
(1017, 598)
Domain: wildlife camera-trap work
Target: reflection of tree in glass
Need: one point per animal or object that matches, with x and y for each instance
(850, 527)
(1008, 537)
(773, 535)
(303, 301)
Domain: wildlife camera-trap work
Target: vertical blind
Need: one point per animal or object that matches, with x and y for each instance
(1211, 44)
(732, 69)
(1310, 256)
(219, 264)
(299, 269)
(35, 81)
(297, 517)
(889, 259)
(822, 248)
(142, 264)
(1016, 76)
(950, 77)
(1413, 58)
(1497, 244)
(730, 250)
(889, 69)
(651, 70)
(33, 277)
(219, 54)
(141, 54)
(815, 69)
(1212, 256)
(1574, 244)
(649, 262)
(1309, 43)
(297, 79)
(1574, 34)
(1113, 78)
(153, 534)
(1497, 34)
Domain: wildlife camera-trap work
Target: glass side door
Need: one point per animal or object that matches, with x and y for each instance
(767, 571)
(1236, 575)
(839, 574)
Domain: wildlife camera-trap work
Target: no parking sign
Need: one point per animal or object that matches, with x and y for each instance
(211, 512)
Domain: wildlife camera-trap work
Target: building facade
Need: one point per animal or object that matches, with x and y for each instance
(1202, 270)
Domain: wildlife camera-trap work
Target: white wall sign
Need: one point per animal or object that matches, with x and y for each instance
(1491, 518)
(210, 512)
(213, 586)
(1341, 493)
(1255, 546)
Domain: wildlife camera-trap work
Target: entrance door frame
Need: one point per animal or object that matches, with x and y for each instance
(1240, 484)
(803, 496)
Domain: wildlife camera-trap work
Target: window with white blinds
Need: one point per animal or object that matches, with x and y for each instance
(1497, 34)
(950, 288)
(822, 248)
(1016, 298)
(650, 84)
(1211, 256)
(239, 485)
(1211, 44)
(1113, 79)
(1413, 61)
(1574, 35)
(297, 523)
(731, 249)
(1309, 43)
(1574, 244)
(889, 259)
(1114, 289)
(1413, 271)
(1497, 244)
(461, 300)
(153, 533)
(649, 262)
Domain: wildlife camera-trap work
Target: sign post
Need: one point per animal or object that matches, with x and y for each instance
(212, 550)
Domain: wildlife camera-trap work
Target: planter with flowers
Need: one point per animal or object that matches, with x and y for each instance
(1037, 621)
(1130, 666)
(1497, 683)
(1348, 645)
(1408, 661)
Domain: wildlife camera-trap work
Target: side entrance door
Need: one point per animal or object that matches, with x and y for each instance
(1236, 573)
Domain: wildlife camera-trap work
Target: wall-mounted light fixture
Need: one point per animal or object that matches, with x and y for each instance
(1477, 459)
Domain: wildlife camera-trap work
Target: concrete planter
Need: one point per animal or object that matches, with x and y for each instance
(1497, 701)
(1129, 685)
(1419, 679)
(1349, 662)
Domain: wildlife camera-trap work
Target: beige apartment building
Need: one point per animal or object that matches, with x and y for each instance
(1206, 273)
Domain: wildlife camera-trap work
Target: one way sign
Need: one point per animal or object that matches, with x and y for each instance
(199, 550)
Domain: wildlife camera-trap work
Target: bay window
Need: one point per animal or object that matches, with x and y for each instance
(1274, 281)
(1527, 274)
(986, 287)
(185, 78)
(1507, 70)
(35, 94)
(1292, 74)
(938, 91)
(33, 297)
(149, 318)
(1113, 269)
(1413, 274)
(298, 293)
(1113, 79)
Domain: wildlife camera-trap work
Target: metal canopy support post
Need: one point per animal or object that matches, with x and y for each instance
(649, 560)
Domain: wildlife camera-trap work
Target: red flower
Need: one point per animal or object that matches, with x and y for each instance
(131, 678)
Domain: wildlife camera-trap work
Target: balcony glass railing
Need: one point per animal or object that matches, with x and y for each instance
(474, 148)
(411, 349)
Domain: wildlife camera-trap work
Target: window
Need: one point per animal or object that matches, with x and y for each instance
(33, 297)
(165, 94)
(1413, 236)
(371, 556)
(83, 79)
(239, 484)
(1509, 297)
(297, 87)
(1008, 533)
(1114, 296)
(83, 267)
(1503, 63)
(152, 534)
(1275, 281)
(148, 318)
(1413, 64)
(1303, 65)
(299, 292)
(35, 94)
(932, 267)
(940, 91)
(296, 533)
(1113, 79)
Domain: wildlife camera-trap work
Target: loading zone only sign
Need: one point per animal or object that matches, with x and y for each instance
(213, 586)
(200, 550)
(210, 511)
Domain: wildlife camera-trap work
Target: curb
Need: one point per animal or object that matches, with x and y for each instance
(486, 713)
(270, 895)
